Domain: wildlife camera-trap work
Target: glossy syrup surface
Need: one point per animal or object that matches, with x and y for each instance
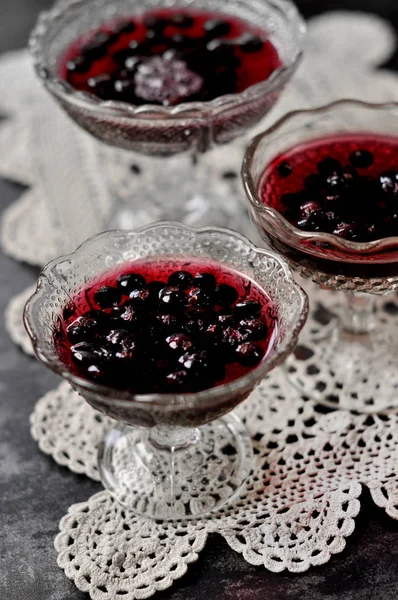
(346, 185)
(167, 326)
(167, 57)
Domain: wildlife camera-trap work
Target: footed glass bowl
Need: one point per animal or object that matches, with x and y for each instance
(349, 362)
(189, 128)
(152, 129)
(173, 455)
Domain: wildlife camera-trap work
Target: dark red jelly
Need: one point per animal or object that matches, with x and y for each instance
(169, 56)
(344, 185)
(167, 327)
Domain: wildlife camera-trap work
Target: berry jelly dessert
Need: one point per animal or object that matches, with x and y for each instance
(344, 185)
(169, 56)
(167, 327)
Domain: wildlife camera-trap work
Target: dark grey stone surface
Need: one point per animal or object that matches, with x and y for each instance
(35, 492)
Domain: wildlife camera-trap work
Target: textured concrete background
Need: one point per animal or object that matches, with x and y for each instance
(35, 493)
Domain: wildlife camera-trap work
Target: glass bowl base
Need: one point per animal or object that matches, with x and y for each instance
(197, 191)
(202, 476)
(343, 370)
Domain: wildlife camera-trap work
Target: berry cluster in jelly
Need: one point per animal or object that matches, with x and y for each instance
(347, 187)
(168, 57)
(186, 333)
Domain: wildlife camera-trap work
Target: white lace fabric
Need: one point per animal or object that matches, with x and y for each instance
(301, 500)
(324, 369)
(296, 511)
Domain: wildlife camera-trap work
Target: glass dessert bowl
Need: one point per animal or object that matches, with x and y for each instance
(322, 186)
(167, 81)
(169, 361)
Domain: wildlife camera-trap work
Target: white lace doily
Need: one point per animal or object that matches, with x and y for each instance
(69, 430)
(347, 373)
(296, 511)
